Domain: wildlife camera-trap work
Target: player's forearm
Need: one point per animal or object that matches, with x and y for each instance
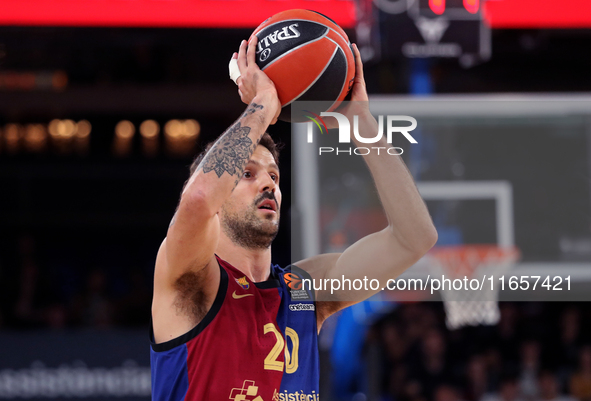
(223, 165)
(407, 214)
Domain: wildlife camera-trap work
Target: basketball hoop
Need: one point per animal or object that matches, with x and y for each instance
(480, 264)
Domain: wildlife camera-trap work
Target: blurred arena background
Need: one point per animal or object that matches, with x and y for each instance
(104, 104)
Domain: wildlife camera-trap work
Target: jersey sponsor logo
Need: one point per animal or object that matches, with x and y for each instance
(248, 392)
(243, 282)
(301, 307)
(237, 296)
(294, 283)
(296, 396)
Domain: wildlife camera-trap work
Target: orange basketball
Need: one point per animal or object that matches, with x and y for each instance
(307, 56)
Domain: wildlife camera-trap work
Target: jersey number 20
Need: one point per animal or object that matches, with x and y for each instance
(291, 359)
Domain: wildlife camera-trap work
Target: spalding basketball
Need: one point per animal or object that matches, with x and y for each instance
(308, 57)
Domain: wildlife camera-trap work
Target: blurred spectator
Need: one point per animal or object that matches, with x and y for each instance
(134, 308)
(509, 391)
(447, 392)
(580, 384)
(566, 349)
(530, 367)
(548, 388)
(506, 340)
(47, 287)
(425, 361)
(430, 369)
(396, 347)
(394, 342)
(94, 307)
(24, 309)
(477, 379)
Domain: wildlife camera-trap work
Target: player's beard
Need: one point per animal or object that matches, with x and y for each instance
(249, 230)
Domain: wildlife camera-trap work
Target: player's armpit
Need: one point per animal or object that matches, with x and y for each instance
(192, 237)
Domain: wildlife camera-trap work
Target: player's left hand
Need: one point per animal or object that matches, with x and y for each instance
(359, 103)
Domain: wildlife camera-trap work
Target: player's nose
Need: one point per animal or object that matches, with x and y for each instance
(267, 184)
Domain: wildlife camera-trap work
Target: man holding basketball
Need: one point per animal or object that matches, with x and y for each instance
(229, 325)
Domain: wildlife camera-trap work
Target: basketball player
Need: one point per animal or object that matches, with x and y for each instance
(229, 325)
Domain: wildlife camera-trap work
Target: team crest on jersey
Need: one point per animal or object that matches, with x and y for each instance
(242, 282)
(294, 283)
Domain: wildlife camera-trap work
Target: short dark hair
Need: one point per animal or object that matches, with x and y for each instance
(265, 141)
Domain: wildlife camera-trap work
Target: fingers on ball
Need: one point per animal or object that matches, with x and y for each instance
(242, 56)
(251, 52)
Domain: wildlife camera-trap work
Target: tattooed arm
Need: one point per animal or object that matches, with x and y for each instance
(193, 235)
(187, 276)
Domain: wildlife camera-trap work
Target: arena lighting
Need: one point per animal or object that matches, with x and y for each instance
(438, 6)
(124, 129)
(52, 127)
(83, 129)
(12, 137)
(33, 80)
(157, 13)
(179, 129)
(173, 129)
(526, 14)
(149, 129)
(35, 137)
(192, 128)
(180, 136)
(62, 129)
(472, 6)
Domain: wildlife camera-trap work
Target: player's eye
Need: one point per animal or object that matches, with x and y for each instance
(274, 177)
(247, 174)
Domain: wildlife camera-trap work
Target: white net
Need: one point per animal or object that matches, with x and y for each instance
(470, 293)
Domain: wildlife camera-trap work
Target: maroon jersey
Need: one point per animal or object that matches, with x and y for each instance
(258, 342)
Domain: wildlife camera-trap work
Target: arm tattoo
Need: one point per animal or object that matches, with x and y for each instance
(231, 152)
(251, 109)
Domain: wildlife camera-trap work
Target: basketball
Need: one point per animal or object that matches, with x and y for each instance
(308, 57)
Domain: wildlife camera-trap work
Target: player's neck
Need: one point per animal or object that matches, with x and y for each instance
(254, 263)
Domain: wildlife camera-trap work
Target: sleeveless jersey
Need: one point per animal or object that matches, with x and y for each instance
(258, 342)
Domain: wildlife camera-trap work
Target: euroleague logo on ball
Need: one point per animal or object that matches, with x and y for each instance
(285, 33)
(265, 54)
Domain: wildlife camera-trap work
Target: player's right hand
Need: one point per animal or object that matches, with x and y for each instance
(253, 82)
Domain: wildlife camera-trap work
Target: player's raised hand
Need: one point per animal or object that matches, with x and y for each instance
(359, 103)
(252, 81)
